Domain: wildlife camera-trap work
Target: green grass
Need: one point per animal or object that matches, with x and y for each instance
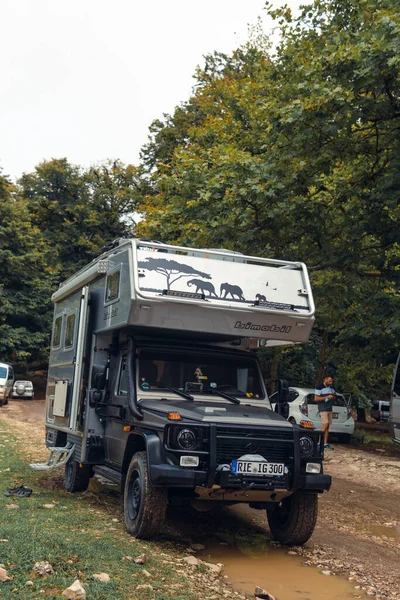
(83, 534)
(373, 438)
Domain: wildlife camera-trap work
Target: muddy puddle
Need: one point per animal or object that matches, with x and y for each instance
(384, 531)
(280, 574)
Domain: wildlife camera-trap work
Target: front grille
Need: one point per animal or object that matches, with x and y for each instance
(274, 444)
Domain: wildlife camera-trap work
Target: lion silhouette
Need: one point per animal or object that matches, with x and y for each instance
(203, 286)
(233, 290)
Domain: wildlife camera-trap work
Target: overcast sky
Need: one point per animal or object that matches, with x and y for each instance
(84, 78)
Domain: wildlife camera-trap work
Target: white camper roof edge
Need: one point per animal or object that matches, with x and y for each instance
(99, 267)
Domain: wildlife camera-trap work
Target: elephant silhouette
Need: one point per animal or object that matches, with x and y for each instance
(203, 286)
(261, 298)
(233, 290)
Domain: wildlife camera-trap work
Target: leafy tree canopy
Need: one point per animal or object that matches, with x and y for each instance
(295, 154)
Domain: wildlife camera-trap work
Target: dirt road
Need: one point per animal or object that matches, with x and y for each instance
(357, 535)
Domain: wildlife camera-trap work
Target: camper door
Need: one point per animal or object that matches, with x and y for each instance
(65, 383)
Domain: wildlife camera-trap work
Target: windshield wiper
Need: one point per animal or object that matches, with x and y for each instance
(179, 392)
(225, 395)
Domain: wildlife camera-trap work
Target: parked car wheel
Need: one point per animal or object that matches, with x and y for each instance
(77, 477)
(144, 506)
(345, 438)
(293, 520)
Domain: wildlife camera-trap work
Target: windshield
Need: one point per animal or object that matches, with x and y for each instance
(199, 373)
(3, 373)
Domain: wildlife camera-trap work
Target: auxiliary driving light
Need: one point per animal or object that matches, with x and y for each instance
(189, 461)
(307, 424)
(313, 468)
(174, 416)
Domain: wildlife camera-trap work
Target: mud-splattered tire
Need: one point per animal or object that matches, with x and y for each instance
(293, 520)
(76, 478)
(144, 505)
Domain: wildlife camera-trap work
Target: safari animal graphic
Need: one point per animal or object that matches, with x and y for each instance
(203, 286)
(233, 290)
(261, 298)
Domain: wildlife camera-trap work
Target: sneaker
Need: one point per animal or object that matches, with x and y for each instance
(328, 447)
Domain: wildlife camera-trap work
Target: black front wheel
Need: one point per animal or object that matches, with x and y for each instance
(77, 477)
(144, 505)
(292, 521)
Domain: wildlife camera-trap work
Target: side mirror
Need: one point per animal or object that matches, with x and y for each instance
(283, 391)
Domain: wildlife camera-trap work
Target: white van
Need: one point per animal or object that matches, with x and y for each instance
(6, 382)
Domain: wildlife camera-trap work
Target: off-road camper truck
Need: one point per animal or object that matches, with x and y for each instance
(149, 384)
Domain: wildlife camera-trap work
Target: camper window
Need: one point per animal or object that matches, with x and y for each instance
(123, 377)
(69, 331)
(57, 332)
(112, 287)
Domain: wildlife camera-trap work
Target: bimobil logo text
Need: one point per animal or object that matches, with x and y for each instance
(255, 327)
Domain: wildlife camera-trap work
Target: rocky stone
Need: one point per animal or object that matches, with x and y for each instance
(262, 594)
(76, 591)
(104, 577)
(292, 553)
(146, 573)
(144, 586)
(140, 560)
(216, 569)
(43, 568)
(197, 547)
(29, 583)
(191, 560)
(3, 575)
(327, 573)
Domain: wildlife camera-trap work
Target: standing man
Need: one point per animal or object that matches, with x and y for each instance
(324, 394)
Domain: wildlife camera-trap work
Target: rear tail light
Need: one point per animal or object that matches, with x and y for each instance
(304, 409)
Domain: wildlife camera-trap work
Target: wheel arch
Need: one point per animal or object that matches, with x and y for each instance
(139, 441)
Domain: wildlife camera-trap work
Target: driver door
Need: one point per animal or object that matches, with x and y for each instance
(117, 412)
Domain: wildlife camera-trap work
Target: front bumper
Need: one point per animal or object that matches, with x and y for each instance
(179, 477)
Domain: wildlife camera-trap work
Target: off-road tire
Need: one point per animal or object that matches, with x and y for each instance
(144, 505)
(293, 520)
(76, 478)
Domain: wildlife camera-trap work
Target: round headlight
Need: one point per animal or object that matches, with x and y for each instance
(186, 439)
(307, 446)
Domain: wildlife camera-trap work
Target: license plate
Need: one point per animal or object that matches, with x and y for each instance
(335, 415)
(252, 468)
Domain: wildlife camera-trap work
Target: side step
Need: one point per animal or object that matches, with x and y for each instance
(108, 473)
(57, 458)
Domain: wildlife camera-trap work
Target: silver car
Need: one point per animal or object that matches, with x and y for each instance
(22, 389)
(380, 410)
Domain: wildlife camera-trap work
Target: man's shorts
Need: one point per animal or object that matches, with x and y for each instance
(326, 417)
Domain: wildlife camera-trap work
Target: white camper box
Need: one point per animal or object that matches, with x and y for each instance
(157, 289)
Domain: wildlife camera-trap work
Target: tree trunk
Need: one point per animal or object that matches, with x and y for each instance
(323, 355)
(361, 415)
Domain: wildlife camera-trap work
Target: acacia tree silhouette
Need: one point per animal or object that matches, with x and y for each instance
(170, 268)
